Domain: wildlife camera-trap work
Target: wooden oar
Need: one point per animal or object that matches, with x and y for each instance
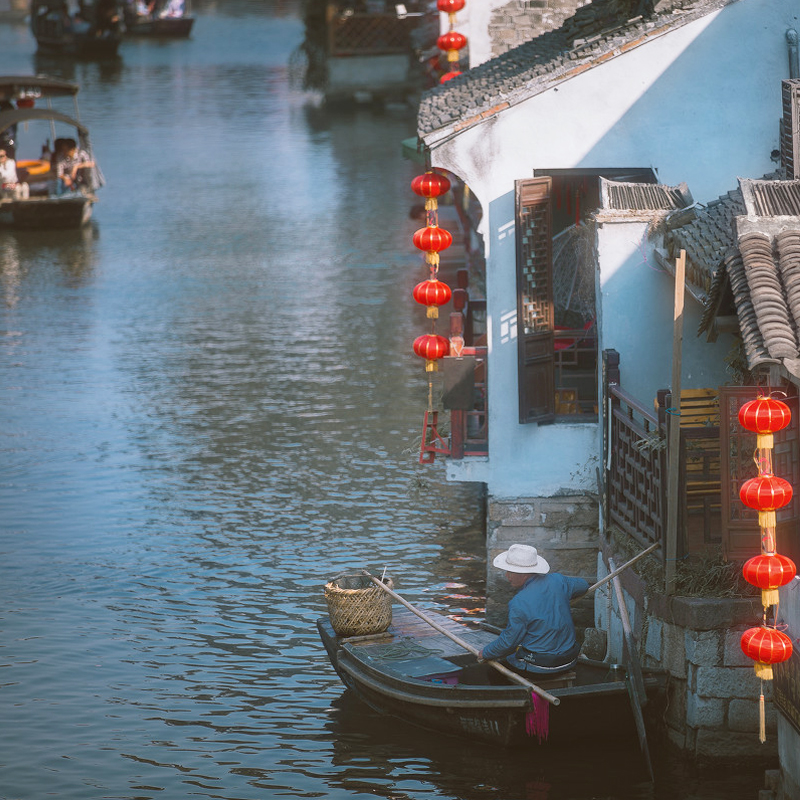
(499, 667)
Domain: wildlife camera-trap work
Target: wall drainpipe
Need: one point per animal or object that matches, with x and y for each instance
(794, 64)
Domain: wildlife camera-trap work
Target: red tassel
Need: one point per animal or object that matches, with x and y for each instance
(537, 721)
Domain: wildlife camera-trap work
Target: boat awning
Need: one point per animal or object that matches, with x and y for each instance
(415, 150)
(15, 86)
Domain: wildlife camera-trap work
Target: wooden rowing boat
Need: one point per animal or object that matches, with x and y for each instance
(420, 675)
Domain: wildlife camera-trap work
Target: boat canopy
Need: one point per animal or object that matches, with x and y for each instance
(13, 87)
(10, 118)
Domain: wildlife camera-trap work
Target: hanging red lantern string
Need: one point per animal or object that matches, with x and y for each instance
(432, 293)
(451, 42)
(769, 571)
(766, 493)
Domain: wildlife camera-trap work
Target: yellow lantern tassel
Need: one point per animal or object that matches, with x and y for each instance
(452, 17)
(769, 597)
(431, 204)
(433, 313)
(432, 258)
(430, 366)
(762, 719)
(763, 671)
(765, 441)
(452, 56)
(766, 519)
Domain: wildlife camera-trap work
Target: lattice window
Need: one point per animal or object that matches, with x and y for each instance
(537, 306)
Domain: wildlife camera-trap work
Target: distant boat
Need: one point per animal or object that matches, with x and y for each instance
(161, 19)
(92, 30)
(29, 122)
(416, 674)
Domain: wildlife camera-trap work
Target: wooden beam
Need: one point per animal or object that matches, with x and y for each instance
(674, 441)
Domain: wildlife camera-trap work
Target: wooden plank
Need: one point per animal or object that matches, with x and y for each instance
(673, 482)
(634, 679)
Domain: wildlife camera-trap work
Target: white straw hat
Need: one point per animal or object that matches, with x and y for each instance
(521, 558)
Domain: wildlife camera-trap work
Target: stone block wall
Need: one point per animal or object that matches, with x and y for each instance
(520, 21)
(712, 694)
(563, 529)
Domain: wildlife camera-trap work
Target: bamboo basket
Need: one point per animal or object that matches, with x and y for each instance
(356, 606)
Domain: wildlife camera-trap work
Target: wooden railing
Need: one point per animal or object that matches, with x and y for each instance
(357, 34)
(636, 469)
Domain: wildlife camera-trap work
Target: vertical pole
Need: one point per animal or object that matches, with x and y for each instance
(673, 487)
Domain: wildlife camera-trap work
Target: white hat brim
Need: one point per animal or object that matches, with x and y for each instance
(541, 566)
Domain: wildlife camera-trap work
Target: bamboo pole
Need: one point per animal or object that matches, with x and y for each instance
(612, 575)
(674, 448)
(499, 667)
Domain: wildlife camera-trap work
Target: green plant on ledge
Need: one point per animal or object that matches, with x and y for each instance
(706, 575)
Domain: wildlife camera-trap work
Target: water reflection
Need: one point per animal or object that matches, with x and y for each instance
(210, 407)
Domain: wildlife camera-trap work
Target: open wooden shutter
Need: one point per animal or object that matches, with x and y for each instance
(535, 300)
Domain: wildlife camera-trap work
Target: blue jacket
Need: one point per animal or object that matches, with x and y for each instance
(539, 618)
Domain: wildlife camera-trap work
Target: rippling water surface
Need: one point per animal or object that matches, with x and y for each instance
(209, 407)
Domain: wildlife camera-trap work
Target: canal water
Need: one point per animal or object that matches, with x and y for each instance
(209, 406)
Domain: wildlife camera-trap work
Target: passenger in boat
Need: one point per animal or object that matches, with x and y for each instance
(540, 636)
(10, 185)
(173, 9)
(72, 166)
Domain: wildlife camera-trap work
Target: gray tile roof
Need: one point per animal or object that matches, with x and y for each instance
(761, 273)
(597, 32)
(706, 239)
(629, 196)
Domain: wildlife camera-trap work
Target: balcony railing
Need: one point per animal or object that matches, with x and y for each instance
(352, 33)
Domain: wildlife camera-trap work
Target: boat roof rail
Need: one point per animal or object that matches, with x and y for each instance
(9, 118)
(12, 87)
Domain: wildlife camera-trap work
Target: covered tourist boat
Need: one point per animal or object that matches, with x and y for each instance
(33, 131)
(90, 29)
(413, 672)
(160, 19)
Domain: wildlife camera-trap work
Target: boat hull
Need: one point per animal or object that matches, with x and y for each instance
(480, 707)
(46, 212)
(167, 28)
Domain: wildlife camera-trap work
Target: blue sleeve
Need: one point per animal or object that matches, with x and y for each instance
(511, 638)
(577, 587)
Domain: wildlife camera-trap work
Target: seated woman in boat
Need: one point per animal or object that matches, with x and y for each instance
(10, 186)
(540, 636)
(72, 167)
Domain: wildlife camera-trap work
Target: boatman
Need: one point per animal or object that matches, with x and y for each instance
(540, 636)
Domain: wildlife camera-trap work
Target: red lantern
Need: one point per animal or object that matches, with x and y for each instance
(766, 493)
(432, 239)
(431, 347)
(764, 416)
(450, 6)
(432, 293)
(766, 646)
(452, 40)
(430, 185)
(26, 102)
(769, 571)
(448, 76)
